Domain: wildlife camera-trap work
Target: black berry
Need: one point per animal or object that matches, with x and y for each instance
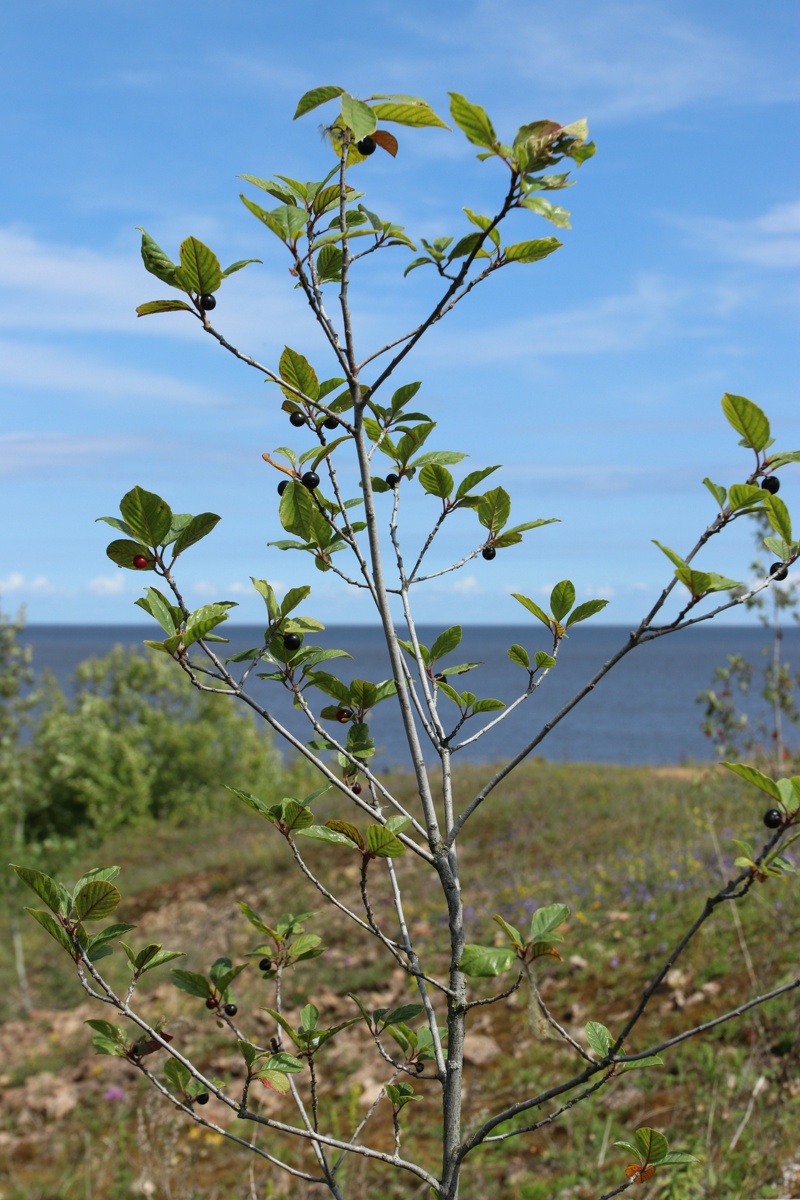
(202, 1098)
(297, 419)
(282, 486)
(773, 819)
(355, 788)
(771, 484)
(211, 1002)
(489, 553)
(419, 1067)
(208, 302)
(778, 571)
(331, 422)
(392, 480)
(265, 964)
(231, 1010)
(310, 480)
(292, 641)
(366, 146)
(140, 562)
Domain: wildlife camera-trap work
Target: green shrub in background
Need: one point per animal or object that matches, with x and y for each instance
(132, 743)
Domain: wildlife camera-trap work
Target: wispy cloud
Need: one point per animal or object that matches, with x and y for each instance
(611, 324)
(107, 585)
(626, 60)
(26, 453)
(770, 240)
(17, 582)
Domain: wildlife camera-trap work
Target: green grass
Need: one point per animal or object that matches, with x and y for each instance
(629, 850)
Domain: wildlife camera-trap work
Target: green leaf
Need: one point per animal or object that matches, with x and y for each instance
(533, 607)
(203, 620)
(191, 982)
(321, 833)
(483, 962)
(315, 97)
(358, 117)
(265, 591)
(671, 555)
(56, 930)
(446, 642)
(198, 528)
(544, 660)
(778, 516)
(96, 900)
(45, 887)
(717, 491)
(473, 479)
(745, 495)
(519, 654)
(780, 460)
(533, 251)
(562, 598)
(673, 1157)
(147, 514)
(276, 1081)
(438, 457)
(156, 261)
(551, 212)
(494, 509)
(546, 920)
(286, 222)
(200, 269)
(162, 306)
(296, 511)
(585, 610)
(329, 264)
(473, 121)
(652, 1145)
(747, 419)
(177, 1075)
(513, 934)
(237, 266)
(450, 692)
(406, 1012)
(298, 372)
(487, 705)
(417, 115)
(382, 843)
(161, 610)
(751, 775)
(599, 1038)
(123, 553)
(652, 1060)
(436, 480)
(292, 598)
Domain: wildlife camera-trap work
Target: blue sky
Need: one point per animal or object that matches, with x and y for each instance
(595, 376)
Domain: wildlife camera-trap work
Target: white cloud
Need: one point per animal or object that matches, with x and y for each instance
(611, 324)
(467, 585)
(25, 452)
(16, 582)
(38, 365)
(770, 240)
(107, 585)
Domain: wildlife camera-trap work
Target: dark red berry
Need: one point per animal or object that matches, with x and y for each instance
(282, 486)
(489, 552)
(231, 1010)
(366, 146)
(331, 422)
(202, 1098)
(211, 1002)
(356, 788)
(778, 571)
(771, 484)
(208, 302)
(310, 480)
(140, 562)
(297, 419)
(344, 714)
(292, 641)
(265, 964)
(773, 819)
